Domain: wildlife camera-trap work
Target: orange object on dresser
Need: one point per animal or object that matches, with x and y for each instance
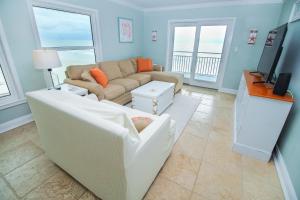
(261, 89)
(99, 76)
(144, 64)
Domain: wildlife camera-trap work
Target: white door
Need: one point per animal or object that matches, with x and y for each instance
(198, 50)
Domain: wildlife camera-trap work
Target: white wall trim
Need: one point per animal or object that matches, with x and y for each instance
(227, 90)
(127, 4)
(15, 123)
(13, 103)
(213, 4)
(284, 177)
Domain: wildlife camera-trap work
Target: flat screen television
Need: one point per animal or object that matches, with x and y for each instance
(271, 53)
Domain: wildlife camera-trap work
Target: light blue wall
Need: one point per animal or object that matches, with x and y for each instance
(19, 34)
(290, 62)
(17, 26)
(261, 17)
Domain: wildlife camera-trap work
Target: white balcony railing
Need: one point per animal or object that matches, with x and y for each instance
(207, 63)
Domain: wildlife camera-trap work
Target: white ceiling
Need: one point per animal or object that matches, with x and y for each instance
(161, 4)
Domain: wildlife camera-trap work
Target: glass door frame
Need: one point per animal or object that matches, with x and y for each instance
(229, 22)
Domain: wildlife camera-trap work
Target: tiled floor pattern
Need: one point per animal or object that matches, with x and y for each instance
(201, 166)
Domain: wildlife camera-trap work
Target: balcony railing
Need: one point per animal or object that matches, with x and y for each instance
(207, 63)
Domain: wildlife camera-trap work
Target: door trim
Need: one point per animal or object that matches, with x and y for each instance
(229, 21)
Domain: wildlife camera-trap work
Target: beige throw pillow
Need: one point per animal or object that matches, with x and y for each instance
(86, 76)
(133, 61)
(74, 71)
(141, 122)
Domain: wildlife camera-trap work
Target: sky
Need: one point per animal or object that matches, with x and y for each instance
(58, 28)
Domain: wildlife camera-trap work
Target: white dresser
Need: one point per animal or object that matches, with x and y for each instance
(259, 116)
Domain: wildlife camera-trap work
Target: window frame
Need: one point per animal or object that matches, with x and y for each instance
(16, 96)
(65, 7)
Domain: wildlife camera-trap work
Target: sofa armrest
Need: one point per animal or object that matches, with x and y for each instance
(170, 77)
(148, 134)
(158, 68)
(95, 88)
(156, 142)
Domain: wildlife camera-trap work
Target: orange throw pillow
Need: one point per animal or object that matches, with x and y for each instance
(99, 76)
(144, 65)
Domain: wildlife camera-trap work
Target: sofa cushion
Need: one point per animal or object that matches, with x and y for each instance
(111, 69)
(126, 67)
(128, 84)
(113, 91)
(86, 76)
(141, 78)
(75, 71)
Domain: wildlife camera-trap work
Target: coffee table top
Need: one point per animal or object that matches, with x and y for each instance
(153, 89)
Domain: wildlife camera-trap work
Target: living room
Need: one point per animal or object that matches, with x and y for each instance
(128, 99)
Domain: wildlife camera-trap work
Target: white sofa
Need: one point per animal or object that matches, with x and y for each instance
(95, 143)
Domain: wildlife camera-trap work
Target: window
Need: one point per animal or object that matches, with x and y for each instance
(70, 31)
(3, 85)
(10, 89)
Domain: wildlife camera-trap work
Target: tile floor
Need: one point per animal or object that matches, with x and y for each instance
(201, 165)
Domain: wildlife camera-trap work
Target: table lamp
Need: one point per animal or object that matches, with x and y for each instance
(46, 59)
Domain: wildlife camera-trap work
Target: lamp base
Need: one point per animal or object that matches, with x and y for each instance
(55, 87)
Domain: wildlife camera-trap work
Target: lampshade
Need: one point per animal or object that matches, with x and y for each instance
(45, 59)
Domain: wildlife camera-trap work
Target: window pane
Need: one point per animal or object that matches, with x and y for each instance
(58, 28)
(72, 57)
(3, 85)
(184, 39)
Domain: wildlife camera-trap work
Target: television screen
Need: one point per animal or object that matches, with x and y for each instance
(271, 52)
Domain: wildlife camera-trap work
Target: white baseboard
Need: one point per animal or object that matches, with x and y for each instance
(251, 152)
(284, 177)
(15, 123)
(228, 90)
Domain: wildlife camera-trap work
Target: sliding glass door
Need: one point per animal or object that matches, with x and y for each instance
(197, 51)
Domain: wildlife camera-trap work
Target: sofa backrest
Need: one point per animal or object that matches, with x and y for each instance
(83, 144)
(113, 69)
(127, 67)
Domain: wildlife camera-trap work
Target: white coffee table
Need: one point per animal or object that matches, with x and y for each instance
(153, 97)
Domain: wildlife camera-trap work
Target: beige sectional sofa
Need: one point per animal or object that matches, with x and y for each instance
(123, 78)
